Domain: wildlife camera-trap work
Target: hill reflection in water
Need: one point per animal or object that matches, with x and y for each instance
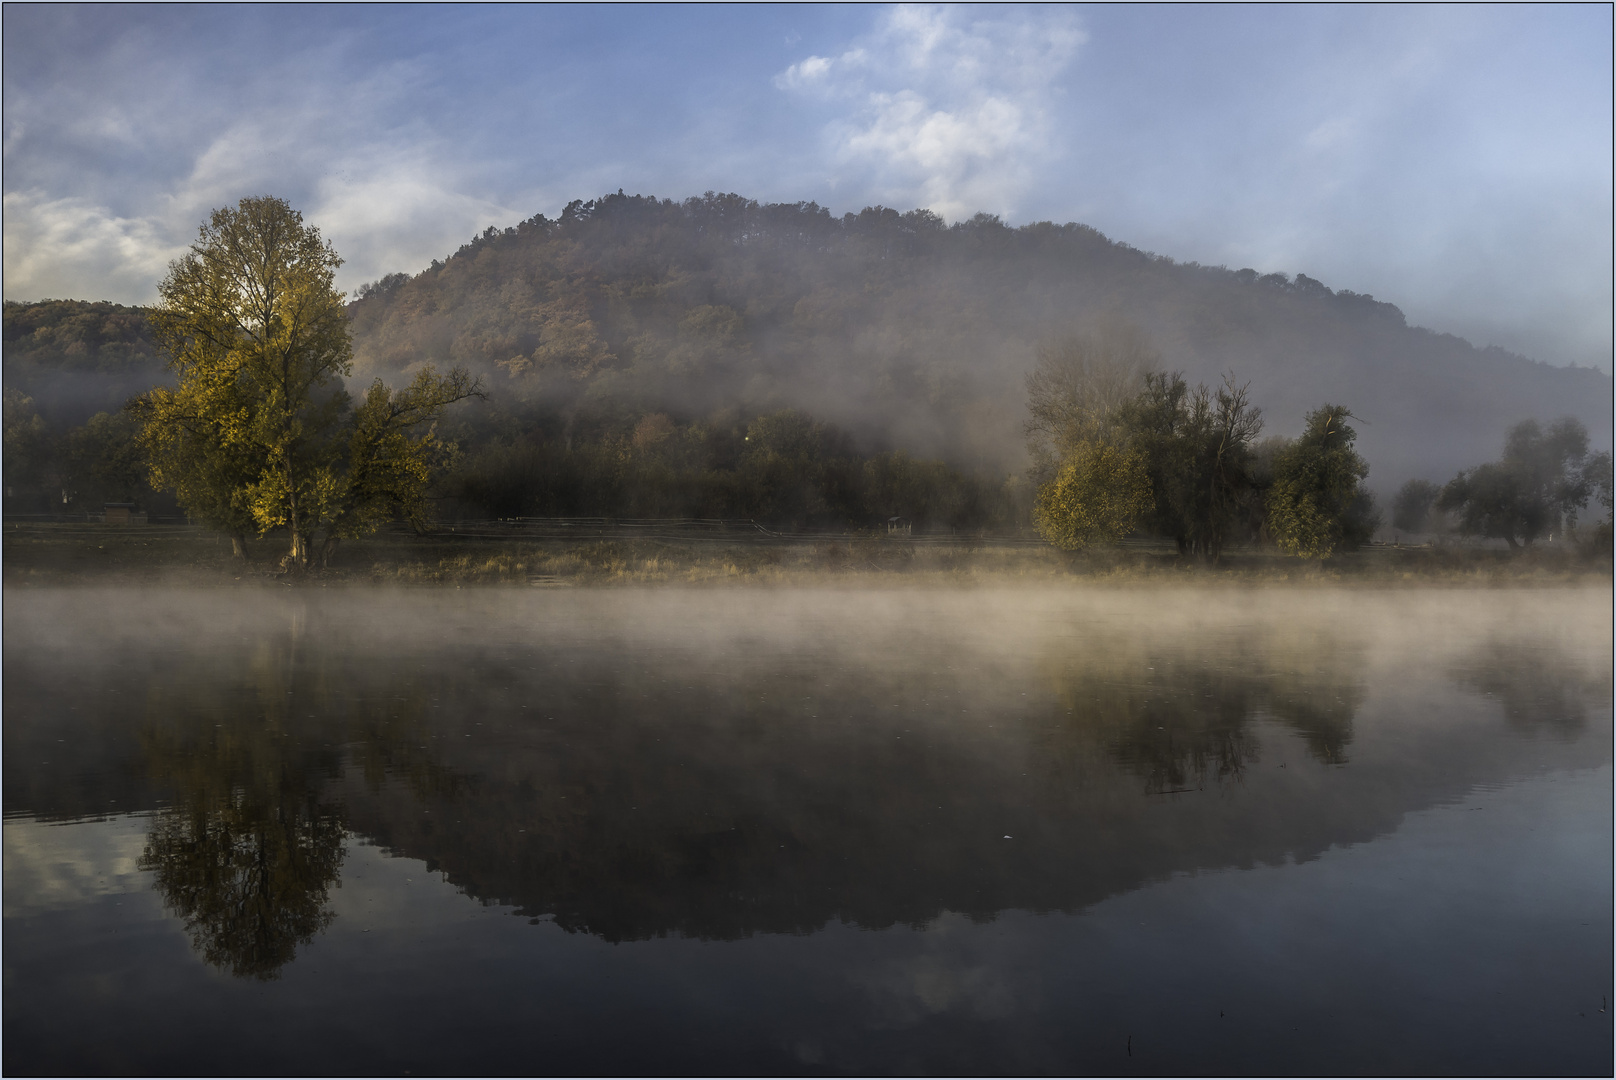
(717, 765)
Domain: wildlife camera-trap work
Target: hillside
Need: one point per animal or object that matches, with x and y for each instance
(910, 333)
(75, 358)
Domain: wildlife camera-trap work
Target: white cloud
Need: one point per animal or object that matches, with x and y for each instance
(71, 247)
(388, 195)
(960, 161)
(809, 72)
(943, 110)
(386, 212)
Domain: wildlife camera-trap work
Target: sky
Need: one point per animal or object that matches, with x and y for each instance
(1454, 160)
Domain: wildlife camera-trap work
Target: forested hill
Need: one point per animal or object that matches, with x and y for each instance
(76, 358)
(917, 335)
(628, 313)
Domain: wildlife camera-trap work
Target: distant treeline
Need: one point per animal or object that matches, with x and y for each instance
(784, 468)
(513, 457)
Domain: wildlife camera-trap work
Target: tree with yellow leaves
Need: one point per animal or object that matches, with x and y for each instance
(260, 433)
(1100, 493)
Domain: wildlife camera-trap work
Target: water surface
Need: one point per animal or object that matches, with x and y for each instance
(758, 831)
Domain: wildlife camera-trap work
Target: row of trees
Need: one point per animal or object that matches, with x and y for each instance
(55, 468)
(784, 468)
(1121, 447)
(1536, 490)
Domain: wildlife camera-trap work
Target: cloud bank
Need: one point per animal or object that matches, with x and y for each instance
(942, 110)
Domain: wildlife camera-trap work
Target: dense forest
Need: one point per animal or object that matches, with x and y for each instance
(718, 357)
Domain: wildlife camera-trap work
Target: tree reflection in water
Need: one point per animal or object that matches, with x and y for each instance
(720, 805)
(1179, 713)
(249, 875)
(634, 790)
(1539, 689)
(250, 747)
(247, 850)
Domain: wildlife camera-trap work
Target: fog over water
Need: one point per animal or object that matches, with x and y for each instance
(254, 785)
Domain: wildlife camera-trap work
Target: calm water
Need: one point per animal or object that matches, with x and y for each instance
(772, 831)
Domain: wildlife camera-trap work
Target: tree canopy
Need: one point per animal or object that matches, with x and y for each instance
(1318, 502)
(1413, 504)
(1197, 445)
(1122, 446)
(1543, 479)
(1098, 496)
(259, 433)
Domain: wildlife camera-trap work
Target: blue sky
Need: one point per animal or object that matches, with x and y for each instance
(1453, 160)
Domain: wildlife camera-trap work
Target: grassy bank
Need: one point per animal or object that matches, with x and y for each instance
(56, 554)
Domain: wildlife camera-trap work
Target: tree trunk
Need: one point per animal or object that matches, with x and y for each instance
(238, 546)
(298, 557)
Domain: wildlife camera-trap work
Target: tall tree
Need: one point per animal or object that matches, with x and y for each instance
(1197, 447)
(1536, 488)
(260, 432)
(1223, 425)
(1411, 506)
(27, 453)
(1318, 502)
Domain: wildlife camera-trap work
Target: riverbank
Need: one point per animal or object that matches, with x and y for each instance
(68, 553)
